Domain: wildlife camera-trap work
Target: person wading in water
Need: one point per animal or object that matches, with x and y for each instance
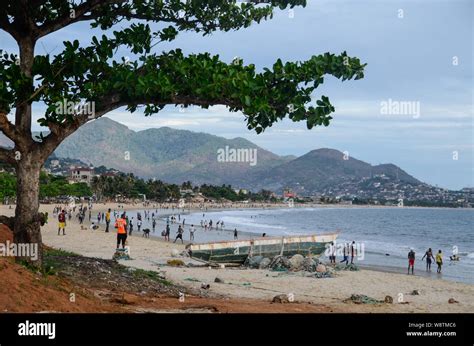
(429, 259)
(411, 261)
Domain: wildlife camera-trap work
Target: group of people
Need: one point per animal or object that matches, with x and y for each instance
(348, 250)
(207, 225)
(429, 259)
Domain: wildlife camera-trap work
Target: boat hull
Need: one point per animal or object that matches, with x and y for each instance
(238, 251)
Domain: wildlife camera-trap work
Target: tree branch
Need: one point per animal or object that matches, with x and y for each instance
(8, 128)
(79, 15)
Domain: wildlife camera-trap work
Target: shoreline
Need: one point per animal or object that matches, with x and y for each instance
(263, 285)
(220, 234)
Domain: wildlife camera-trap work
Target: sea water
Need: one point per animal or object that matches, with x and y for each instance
(385, 234)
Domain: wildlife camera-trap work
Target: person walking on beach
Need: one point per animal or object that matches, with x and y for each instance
(62, 222)
(353, 251)
(235, 234)
(429, 258)
(153, 225)
(411, 261)
(139, 225)
(130, 226)
(179, 235)
(332, 253)
(346, 250)
(167, 233)
(191, 233)
(439, 261)
(120, 224)
(107, 220)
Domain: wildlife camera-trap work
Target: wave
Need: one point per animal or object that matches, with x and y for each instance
(246, 222)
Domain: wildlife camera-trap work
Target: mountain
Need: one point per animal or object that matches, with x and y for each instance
(176, 156)
(321, 169)
(164, 153)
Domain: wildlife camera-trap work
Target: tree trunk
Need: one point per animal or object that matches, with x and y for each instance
(27, 221)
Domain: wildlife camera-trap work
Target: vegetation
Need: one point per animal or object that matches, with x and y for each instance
(129, 186)
(50, 186)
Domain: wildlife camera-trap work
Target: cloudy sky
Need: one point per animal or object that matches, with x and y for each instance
(417, 51)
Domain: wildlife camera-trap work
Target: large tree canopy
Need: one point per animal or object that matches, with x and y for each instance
(93, 73)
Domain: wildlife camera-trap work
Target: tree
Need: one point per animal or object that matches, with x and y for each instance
(89, 75)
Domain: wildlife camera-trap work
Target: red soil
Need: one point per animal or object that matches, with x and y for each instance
(22, 290)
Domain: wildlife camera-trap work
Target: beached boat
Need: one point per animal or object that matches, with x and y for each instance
(237, 251)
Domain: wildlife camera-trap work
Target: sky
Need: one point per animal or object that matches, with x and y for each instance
(418, 52)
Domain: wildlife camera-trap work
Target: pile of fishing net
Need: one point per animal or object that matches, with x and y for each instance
(351, 267)
(363, 299)
(121, 254)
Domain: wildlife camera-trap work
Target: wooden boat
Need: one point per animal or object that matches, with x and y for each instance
(237, 251)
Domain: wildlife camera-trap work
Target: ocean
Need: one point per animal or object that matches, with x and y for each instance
(385, 234)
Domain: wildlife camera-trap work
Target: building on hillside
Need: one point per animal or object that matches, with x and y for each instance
(55, 163)
(186, 192)
(81, 175)
(288, 193)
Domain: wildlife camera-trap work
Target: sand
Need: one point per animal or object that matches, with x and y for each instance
(153, 253)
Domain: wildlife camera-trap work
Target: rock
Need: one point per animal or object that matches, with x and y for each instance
(415, 293)
(219, 280)
(264, 263)
(254, 262)
(309, 264)
(321, 268)
(205, 286)
(174, 253)
(175, 263)
(388, 300)
(296, 262)
(452, 301)
(281, 298)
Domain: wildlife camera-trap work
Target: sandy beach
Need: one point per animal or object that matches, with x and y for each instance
(238, 283)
